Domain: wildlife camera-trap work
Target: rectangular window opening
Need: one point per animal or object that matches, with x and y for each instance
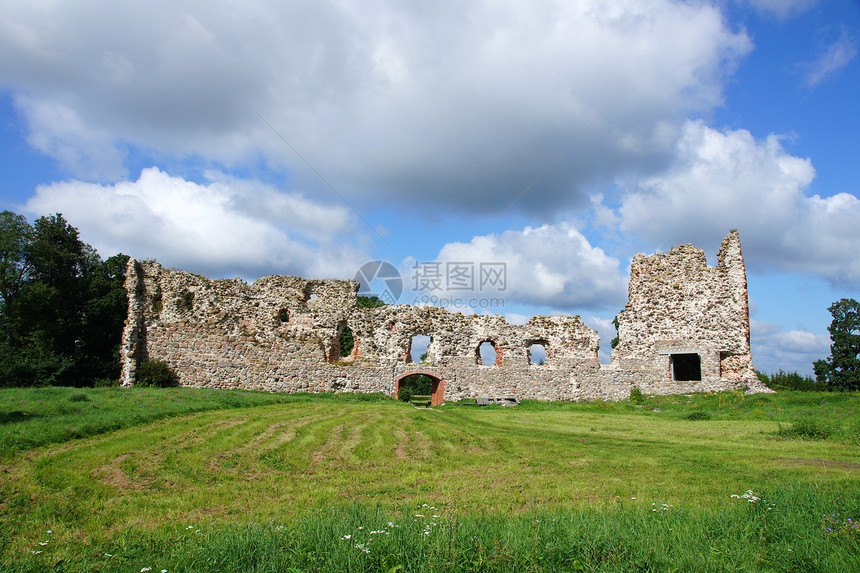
(687, 367)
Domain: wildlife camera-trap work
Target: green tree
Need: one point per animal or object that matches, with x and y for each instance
(369, 302)
(14, 238)
(104, 311)
(841, 371)
(62, 308)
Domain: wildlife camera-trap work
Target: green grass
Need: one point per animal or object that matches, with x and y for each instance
(543, 486)
(33, 417)
(421, 400)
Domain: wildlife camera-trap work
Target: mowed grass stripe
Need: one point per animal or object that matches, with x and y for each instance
(274, 462)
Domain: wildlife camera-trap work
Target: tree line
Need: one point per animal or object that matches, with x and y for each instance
(62, 308)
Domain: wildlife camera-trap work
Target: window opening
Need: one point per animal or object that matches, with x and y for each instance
(346, 342)
(418, 346)
(687, 367)
(284, 315)
(188, 301)
(537, 354)
(488, 354)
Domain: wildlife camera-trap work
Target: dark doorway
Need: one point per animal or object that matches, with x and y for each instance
(421, 386)
(687, 367)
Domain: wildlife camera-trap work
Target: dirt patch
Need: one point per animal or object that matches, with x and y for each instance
(400, 450)
(114, 475)
(798, 462)
(330, 446)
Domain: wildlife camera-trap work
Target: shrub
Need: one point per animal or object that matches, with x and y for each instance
(695, 416)
(807, 429)
(404, 394)
(155, 373)
(105, 383)
(636, 395)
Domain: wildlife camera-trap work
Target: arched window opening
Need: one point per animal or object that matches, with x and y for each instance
(346, 343)
(488, 354)
(283, 315)
(537, 353)
(309, 292)
(187, 301)
(418, 347)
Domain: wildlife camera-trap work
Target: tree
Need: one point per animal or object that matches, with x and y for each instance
(61, 307)
(841, 371)
(104, 311)
(369, 302)
(15, 235)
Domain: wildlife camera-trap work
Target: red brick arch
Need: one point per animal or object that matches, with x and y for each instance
(438, 388)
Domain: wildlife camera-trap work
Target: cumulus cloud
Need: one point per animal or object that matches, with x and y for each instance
(721, 180)
(455, 104)
(789, 350)
(224, 227)
(551, 265)
(831, 60)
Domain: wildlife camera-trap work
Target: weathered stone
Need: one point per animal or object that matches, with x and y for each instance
(685, 329)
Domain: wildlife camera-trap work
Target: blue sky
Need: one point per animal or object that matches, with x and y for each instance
(558, 138)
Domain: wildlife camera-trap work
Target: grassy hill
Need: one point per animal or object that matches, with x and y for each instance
(193, 480)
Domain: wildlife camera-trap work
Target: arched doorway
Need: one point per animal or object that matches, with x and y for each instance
(437, 391)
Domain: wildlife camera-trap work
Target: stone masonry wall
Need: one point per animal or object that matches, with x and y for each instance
(281, 334)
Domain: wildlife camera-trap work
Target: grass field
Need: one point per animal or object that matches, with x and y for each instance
(240, 481)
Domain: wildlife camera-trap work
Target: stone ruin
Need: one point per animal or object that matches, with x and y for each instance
(685, 329)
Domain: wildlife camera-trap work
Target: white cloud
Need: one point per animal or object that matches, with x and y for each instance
(552, 265)
(223, 227)
(454, 104)
(782, 8)
(832, 59)
(58, 131)
(789, 350)
(723, 180)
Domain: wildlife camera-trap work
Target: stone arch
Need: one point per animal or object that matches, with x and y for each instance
(438, 390)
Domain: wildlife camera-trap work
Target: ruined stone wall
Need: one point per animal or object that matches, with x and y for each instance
(680, 308)
(281, 334)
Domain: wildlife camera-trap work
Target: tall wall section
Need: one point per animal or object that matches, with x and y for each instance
(686, 325)
(281, 334)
